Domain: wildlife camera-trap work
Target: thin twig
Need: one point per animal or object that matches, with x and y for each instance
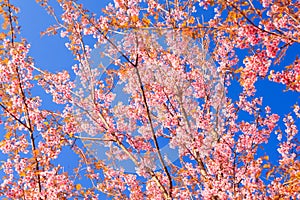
(152, 129)
(23, 96)
(261, 29)
(119, 143)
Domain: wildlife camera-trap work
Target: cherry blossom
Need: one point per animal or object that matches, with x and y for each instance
(189, 73)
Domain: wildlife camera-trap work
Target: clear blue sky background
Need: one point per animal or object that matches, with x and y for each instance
(50, 53)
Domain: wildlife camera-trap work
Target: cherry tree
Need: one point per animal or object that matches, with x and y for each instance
(151, 113)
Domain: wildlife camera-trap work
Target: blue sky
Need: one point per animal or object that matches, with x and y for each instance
(50, 53)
